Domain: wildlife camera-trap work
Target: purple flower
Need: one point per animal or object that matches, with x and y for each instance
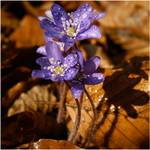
(54, 66)
(86, 75)
(70, 27)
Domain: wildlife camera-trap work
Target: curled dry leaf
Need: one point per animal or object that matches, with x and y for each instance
(38, 98)
(14, 92)
(122, 106)
(53, 144)
(32, 34)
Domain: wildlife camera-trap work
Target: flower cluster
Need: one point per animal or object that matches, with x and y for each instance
(62, 31)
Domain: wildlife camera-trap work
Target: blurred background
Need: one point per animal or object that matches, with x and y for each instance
(29, 105)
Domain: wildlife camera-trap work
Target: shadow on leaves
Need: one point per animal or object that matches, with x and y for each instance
(120, 91)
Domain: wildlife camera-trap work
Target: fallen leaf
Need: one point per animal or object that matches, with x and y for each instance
(28, 34)
(123, 21)
(39, 98)
(123, 109)
(53, 144)
(15, 91)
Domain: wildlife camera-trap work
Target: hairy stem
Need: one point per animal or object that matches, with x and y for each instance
(91, 102)
(61, 111)
(97, 123)
(76, 124)
(90, 133)
(73, 135)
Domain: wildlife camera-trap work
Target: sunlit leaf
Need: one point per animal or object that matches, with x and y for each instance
(53, 144)
(122, 103)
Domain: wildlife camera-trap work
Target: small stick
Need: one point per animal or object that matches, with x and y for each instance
(61, 111)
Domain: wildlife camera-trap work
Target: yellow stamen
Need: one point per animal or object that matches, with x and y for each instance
(71, 31)
(59, 70)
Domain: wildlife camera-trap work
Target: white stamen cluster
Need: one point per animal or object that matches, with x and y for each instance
(56, 68)
(70, 26)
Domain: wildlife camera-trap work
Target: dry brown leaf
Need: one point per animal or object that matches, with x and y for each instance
(38, 98)
(28, 34)
(123, 21)
(53, 144)
(123, 107)
(14, 92)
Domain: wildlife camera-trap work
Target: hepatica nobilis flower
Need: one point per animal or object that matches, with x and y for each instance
(62, 61)
(54, 66)
(70, 27)
(87, 75)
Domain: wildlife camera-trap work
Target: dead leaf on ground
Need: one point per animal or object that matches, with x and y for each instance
(53, 144)
(123, 26)
(122, 103)
(28, 34)
(39, 98)
(15, 91)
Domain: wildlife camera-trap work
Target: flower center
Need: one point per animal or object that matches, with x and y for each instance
(58, 70)
(71, 31)
(70, 26)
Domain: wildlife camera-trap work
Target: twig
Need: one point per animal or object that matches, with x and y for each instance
(61, 111)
